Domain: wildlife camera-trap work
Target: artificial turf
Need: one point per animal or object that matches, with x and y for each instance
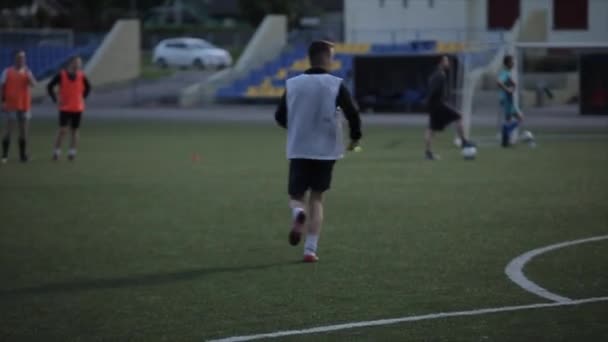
(139, 241)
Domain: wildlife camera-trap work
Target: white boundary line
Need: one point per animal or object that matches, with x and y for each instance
(336, 327)
(514, 269)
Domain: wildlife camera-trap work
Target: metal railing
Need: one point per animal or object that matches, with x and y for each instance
(36, 37)
(397, 36)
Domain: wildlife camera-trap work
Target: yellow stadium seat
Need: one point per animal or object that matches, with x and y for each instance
(300, 65)
(363, 49)
(352, 49)
(450, 47)
(336, 65)
(442, 47)
(266, 83)
(281, 74)
(252, 91)
(277, 92)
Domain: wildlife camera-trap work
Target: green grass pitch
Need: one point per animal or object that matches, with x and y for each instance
(135, 241)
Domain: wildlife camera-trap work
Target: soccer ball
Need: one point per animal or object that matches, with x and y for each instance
(527, 136)
(469, 152)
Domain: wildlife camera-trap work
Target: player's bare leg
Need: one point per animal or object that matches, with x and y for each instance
(460, 132)
(428, 141)
(59, 141)
(298, 216)
(75, 137)
(315, 222)
(23, 133)
(6, 139)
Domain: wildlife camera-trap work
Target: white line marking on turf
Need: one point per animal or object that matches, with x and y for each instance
(514, 269)
(380, 322)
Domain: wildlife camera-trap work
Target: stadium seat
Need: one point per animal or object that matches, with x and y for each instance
(281, 74)
(268, 81)
(46, 60)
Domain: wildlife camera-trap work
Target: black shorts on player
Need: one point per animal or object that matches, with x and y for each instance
(70, 118)
(441, 115)
(309, 174)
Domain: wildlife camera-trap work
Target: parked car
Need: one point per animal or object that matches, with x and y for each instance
(190, 52)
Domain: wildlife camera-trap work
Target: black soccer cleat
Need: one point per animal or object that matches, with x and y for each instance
(468, 143)
(428, 155)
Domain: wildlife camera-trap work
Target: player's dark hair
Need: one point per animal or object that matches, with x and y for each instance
(319, 49)
(18, 51)
(441, 57)
(73, 58)
(507, 59)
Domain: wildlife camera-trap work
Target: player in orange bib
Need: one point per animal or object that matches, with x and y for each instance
(16, 103)
(73, 90)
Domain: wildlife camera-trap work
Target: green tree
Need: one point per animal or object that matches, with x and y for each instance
(15, 3)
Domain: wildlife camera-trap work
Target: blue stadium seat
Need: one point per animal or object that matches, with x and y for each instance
(45, 60)
(278, 83)
(287, 58)
(413, 96)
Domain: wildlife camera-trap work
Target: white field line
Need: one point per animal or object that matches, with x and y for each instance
(380, 322)
(515, 272)
(514, 269)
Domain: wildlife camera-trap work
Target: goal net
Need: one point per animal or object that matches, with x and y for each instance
(478, 64)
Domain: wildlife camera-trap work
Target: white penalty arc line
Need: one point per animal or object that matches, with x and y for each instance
(381, 322)
(515, 269)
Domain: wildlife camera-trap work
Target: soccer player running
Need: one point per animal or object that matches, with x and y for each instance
(73, 90)
(440, 113)
(16, 82)
(309, 112)
(513, 117)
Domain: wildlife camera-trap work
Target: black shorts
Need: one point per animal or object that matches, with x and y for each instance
(71, 118)
(442, 115)
(309, 174)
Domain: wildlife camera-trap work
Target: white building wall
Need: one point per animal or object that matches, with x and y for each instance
(367, 21)
(452, 20)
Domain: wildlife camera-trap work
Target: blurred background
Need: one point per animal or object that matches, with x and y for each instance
(189, 53)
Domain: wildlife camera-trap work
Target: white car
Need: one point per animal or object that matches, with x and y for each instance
(190, 52)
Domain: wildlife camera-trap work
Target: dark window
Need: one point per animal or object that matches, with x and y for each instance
(381, 2)
(177, 45)
(502, 14)
(570, 14)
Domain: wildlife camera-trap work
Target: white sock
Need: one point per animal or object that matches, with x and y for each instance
(72, 152)
(57, 152)
(310, 246)
(295, 212)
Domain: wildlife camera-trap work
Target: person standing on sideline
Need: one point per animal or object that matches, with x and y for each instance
(309, 112)
(73, 90)
(16, 82)
(440, 113)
